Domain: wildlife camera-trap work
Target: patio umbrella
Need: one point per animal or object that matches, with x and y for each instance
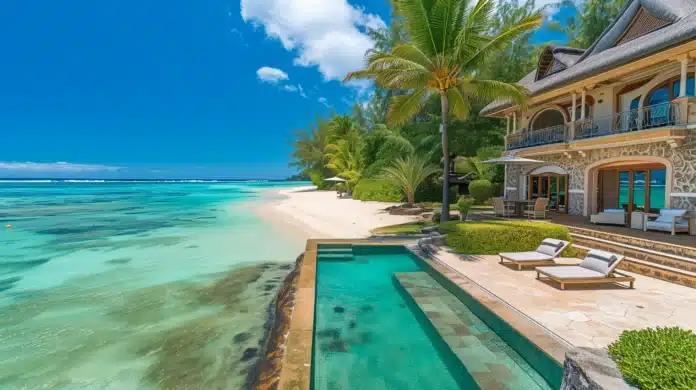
(336, 179)
(510, 160)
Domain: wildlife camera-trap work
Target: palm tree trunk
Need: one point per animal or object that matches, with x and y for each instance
(444, 217)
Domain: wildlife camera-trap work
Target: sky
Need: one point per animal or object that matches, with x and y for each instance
(175, 89)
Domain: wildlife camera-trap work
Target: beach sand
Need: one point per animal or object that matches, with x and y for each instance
(309, 213)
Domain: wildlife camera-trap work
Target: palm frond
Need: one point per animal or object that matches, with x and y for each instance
(416, 15)
(404, 107)
(486, 91)
(458, 104)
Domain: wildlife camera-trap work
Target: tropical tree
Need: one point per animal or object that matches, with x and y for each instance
(448, 42)
(408, 174)
(593, 17)
(345, 158)
(309, 151)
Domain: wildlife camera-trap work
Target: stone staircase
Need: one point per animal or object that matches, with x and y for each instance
(660, 260)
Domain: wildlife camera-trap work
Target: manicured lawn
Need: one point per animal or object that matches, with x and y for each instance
(436, 206)
(405, 228)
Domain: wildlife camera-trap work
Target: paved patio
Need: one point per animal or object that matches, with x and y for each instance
(583, 316)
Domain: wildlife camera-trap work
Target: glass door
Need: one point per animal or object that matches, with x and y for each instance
(544, 187)
(562, 208)
(553, 192)
(639, 192)
(624, 190)
(551, 186)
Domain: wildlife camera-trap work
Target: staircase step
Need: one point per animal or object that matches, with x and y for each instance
(479, 349)
(659, 246)
(650, 269)
(336, 251)
(335, 257)
(636, 252)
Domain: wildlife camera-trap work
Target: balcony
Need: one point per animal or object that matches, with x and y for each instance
(665, 116)
(547, 136)
(652, 117)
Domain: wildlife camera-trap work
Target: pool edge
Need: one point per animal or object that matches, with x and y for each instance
(296, 370)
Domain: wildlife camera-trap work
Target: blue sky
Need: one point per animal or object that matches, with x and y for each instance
(176, 89)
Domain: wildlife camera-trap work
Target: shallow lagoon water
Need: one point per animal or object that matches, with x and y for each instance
(135, 285)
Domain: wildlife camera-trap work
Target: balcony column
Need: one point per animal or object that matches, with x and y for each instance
(582, 105)
(514, 122)
(684, 76)
(507, 128)
(571, 129)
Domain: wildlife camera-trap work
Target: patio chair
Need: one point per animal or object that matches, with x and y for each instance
(537, 209)
(599, 267)
(669, 220)
(610, 217)
(502, 209)
(545, 254)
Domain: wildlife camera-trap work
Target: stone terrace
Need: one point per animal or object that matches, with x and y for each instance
(583, 316)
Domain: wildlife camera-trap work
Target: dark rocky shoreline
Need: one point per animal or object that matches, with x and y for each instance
(265, 373)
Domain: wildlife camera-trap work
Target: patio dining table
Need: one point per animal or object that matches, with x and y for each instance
(520, 205)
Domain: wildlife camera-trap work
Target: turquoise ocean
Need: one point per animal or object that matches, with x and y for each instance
(136, 285)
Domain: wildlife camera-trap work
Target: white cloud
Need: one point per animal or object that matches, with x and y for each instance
(328, 34)
(271, 75)
(55, 167)
(295, 88)
(323, 101)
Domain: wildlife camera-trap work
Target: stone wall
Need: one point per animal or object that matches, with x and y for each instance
(591, 369)
(682, 159)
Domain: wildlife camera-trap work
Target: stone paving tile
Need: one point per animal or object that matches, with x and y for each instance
(489, 360)
(591, 316)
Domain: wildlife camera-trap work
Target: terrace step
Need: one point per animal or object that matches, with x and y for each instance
(663, 247)
(658, 265)
(487, 358)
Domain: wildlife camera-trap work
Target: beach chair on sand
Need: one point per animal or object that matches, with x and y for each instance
(599, 267)
(543, 255)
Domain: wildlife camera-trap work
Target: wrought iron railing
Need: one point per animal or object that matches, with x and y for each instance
(549, 135)
(659, 115)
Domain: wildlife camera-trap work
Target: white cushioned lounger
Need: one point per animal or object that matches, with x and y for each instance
(545, 254)
(598, 267)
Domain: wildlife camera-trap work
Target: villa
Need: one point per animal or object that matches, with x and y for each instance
(613, 124)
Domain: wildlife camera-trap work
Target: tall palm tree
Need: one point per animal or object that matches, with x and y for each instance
(309, 150)
(345, 157)
(408, 174)
(449, 41)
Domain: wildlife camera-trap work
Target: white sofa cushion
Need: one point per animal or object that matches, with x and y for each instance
(610, 211)
(667, 215)
(667, 226)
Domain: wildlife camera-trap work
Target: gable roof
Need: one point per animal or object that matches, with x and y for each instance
(609, 51)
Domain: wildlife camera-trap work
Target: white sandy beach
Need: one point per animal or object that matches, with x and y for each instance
(320, 214)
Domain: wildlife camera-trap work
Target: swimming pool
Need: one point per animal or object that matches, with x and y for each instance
(384, 321)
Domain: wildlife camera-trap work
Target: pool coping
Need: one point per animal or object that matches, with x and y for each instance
(296, 370)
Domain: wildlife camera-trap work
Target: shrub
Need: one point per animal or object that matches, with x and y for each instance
(438, 214)
(431, 191)
(464, 205)
(481, 190)
(379, 190)
(662, 358)
(493, 237)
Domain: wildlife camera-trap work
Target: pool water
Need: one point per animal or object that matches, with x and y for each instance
(382, 322)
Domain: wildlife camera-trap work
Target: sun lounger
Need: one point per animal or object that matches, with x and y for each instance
(544, 255)
(599, 267)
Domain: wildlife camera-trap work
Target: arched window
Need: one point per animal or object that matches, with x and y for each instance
(668, 91)
(547, 118)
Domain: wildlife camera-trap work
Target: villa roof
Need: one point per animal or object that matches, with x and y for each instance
(649, 25)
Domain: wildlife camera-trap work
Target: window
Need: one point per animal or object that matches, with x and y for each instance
(658, 185)
(547, 118)
(659, 96)
(676, 87)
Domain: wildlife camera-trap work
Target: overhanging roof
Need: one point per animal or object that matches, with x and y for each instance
(603, 55)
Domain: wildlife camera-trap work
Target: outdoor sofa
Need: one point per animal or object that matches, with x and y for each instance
(669, 220)
(610, 217)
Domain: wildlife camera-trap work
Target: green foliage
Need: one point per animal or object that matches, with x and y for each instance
(431, 191)
(652, 359)
(464, 205)
(438, 215)
(493, 237)
(407, 174)
(377, 190)
(405, 228)
(481, 190)
(593, 17)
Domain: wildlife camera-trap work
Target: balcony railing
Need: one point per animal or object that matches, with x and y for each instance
(549, 135)
(659, 115)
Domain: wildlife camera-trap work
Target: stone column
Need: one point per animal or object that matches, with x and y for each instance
(684, 76)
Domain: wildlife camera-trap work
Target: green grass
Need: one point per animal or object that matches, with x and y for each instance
(404, 228)
(437, 206)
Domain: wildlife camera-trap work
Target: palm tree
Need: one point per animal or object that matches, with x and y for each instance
(474, 166)
(449, 41)
(345, 157)
(309, 151)
(408, 174)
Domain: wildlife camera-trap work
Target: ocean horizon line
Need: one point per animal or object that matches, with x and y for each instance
(64, 180)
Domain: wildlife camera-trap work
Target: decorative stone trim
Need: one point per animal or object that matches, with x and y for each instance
(592, 369)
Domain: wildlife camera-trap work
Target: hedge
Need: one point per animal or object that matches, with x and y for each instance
(378, 190)
(493, 237)
(481, 190)
(662, 358)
